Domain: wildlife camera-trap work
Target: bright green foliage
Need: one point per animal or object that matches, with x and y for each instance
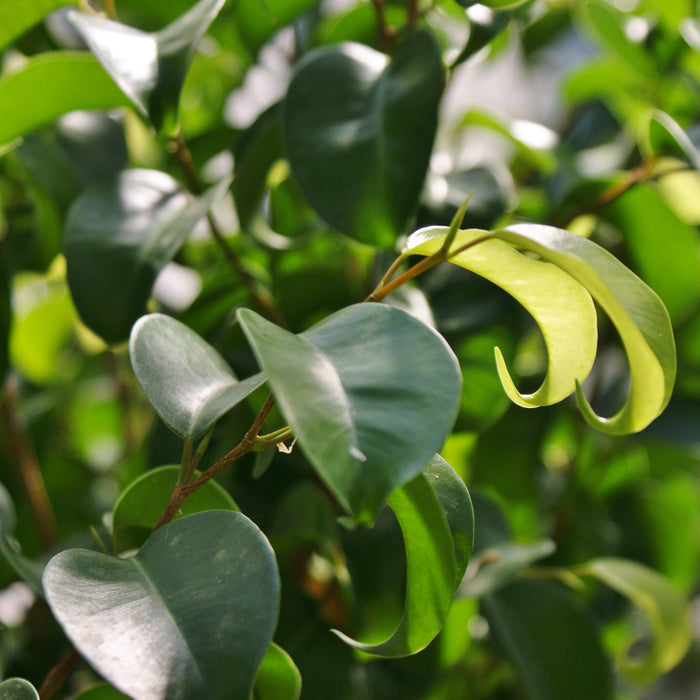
(394, 263)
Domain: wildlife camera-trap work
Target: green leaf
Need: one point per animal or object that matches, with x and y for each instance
(431, 574)
(17, 689)
(636, 311)
(150, 68)
(18, 16)
(5, 312)
(562, 308)
(666, 135)
(118, 235)
(551, 639)
(494, 4)
(191, 615)
(103, 691)
(278, 677)
(370, 392)
(664, 606)
(186, 380)
(361, 151)
(50, 85)
(139, 508)
(482, 31)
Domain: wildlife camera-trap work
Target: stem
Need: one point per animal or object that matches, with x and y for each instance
(261, 297)
(58, 675)
(262, 442)
(246, 445)
(110, 9)
(186, 463)
(21, 452)
(386, 32)
(412, 12)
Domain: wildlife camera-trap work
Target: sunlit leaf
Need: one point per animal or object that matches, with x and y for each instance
(18, 16)
(636, 311)
(48, 86)
(552, 640)
(17, 689)
(186, 380)
(562, 308)
(278, 677)
(665, 609)
(191, 615)
(361, 151)
(149, 67)
(119, 234)
(139, 508)
(371, 394)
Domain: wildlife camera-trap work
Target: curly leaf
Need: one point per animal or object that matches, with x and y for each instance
(562, 308)
(638, 314)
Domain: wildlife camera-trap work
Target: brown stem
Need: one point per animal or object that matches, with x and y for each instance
(110, 9)
(58, 675)
(21, 452)
(412, 12)
(386, 32)
(246, 445)
(261, 296)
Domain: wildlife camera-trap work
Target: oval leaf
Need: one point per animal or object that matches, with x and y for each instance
(551, 639)
(191, 615)
(636, 311)
(149, 68)
(278, 677)
(118, 235)
(186, 380)
(562, 308)
(360, 152)
(139, 508)
(430, 564)
(370, 392)
(50, 85)
(17, 689)
(664, 606)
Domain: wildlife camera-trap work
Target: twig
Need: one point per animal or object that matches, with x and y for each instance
(23, 455)
(386, 32)
(110, 9)
(261, 296)
(58, 675)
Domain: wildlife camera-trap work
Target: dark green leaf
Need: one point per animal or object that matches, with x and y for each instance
(278, 677)
(103, 691)
(360, 152)
(481, 32)
(551, 639)
(140, 506)
(118, 236)
(191, 615)
(370, 392)
(50, 85)
(17, 689)
(149, 68)
(186, 380)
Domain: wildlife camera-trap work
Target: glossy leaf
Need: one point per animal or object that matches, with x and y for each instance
(17, 689)
(186, 380)
(431, 574)
(278, 677)
(551, 639)
(360, 152)
(191, 615)
(370, 392)
(18, 16)
(150, 68)
(48, 86)
(636, 311)
(139, 508)
(665, 609)
(562, 308)
(118, 235)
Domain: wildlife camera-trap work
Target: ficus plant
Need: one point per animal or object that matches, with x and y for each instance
(266, 378)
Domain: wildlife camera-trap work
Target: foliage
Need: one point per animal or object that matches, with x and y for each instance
(248, 365)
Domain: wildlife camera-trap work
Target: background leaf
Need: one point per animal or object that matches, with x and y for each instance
(360, 152)
(193, 612)
(186, 380)
(118, 236)
(17, 16)
(17, 689)
(278, 677)
(368, 415)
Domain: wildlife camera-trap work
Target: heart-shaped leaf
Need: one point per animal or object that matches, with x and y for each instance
(360, 151)
(191, 615)
(436, 519)
(50, 85)
(186, 380)
(562, 308)
(664, 606)
(17, 689)
(636, 311)
(278, 677)
(139, 508)
(118, 235)
(149, 68)
(370, 392)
